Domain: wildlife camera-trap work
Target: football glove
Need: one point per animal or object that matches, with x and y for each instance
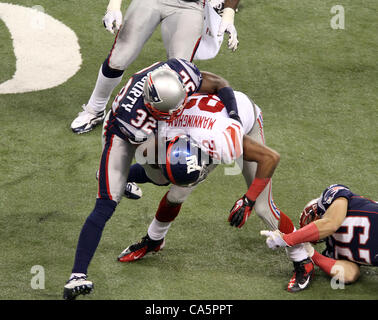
(227, 25)
(112, 20)
(274, 239)
(240, 212)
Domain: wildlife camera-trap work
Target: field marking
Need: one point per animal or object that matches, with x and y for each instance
(47, 51)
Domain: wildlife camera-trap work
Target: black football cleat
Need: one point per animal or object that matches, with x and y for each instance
(77, 286)
(303, 274)
(139, 250)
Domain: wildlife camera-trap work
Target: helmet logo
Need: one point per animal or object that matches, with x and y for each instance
(192, 164)
(152, 92)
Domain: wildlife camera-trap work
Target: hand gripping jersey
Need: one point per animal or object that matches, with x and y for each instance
(130, 119)
(206, 121)
(357, 238)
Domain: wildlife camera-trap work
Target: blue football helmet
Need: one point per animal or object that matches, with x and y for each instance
(185, 163)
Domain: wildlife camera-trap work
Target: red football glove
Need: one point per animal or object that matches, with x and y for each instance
(240, 212)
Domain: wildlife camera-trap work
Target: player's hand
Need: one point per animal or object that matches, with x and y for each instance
(235, 116)
(112, 20)
(240, 212)
(227, 25)
(274, 239)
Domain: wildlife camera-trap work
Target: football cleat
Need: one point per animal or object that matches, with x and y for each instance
(77, 286)
(86, 120)
(303, 273)
(132, 191)
(139, 250)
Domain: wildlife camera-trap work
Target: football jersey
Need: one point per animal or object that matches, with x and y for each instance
(130, 118)
(357, 238)
(206, 121)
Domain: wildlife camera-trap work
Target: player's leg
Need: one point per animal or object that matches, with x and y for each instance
(181, 28)
(169, 208)
(114, 166)
(275, 219)
(141, 19)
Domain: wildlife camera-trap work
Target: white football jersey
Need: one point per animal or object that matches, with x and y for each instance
(206, 121)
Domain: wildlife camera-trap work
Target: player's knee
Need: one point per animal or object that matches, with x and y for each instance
(346, 271)
(178, 195)
(352, 274)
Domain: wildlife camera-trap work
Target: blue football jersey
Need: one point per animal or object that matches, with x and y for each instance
(357, 238)
(130, 118)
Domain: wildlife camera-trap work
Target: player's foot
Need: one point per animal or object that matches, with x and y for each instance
(139, 250)
(303, 273)
(132, 191)
(86, 120)
(76, 286)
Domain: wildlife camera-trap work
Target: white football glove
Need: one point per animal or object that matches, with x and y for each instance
(227, 25)
(274, 239)
(112, 20)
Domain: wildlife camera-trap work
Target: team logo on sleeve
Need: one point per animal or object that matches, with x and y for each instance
(329, 194)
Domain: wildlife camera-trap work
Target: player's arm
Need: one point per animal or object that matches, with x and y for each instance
(319, 229)
(214, 84)
(267, 160)
(342, 270)
(227, 23)
(113, 16)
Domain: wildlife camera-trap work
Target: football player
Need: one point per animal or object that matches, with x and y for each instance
(349, 224)
(150, 97)
(181, 27)
(205, 121)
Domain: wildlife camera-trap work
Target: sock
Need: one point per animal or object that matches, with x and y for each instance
(137, 174)
(285, 224)
(157, 229)
(257, 186)
(91, 234)
(297, 253)
(108, 79)
(167, 212)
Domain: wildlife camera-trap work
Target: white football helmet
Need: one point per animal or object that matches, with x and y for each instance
(164, 94)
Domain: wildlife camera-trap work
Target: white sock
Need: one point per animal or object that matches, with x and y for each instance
(102, 92)
(157, 229)
(297, 253)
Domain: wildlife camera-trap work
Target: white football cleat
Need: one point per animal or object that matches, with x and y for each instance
(76, 286)
(132, 191)
(86, 120)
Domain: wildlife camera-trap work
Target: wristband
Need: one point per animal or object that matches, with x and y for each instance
(323, 262)
(257, 186)
(114, 5)
(309, 233)
(228, 15)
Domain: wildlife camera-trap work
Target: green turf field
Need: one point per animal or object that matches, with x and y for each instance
(317, 88)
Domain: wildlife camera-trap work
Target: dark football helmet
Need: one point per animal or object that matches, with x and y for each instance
(185, 163)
